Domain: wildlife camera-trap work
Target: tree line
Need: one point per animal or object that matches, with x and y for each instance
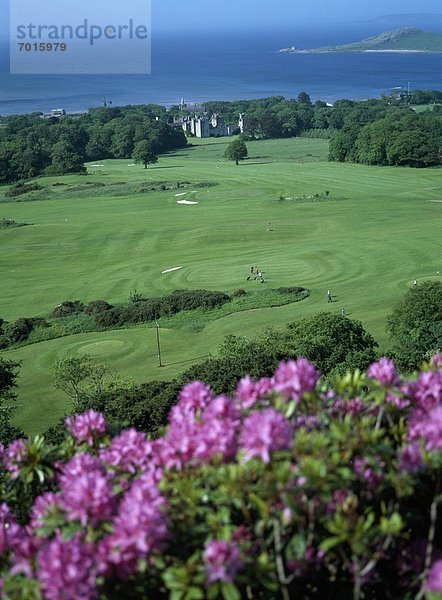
(413, 140)
(31, 146)
(385, 131)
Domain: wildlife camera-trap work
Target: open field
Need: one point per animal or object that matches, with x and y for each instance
(377, 231)
(419, 108)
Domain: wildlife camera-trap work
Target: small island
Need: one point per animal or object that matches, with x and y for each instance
(405, 40)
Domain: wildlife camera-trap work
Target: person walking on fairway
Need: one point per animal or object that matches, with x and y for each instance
(329, 297)
(343, 312)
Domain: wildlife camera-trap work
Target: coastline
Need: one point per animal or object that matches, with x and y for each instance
(361, 51)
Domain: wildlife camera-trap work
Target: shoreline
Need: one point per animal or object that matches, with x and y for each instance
(361, 51)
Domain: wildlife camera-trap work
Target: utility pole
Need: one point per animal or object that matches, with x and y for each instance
(158, 343)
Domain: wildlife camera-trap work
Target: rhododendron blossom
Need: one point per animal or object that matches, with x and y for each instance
(265, 432)
(293, 379)
(222, 561)
(434, 581)
(241, 495)
(384, 371)
(85, 427)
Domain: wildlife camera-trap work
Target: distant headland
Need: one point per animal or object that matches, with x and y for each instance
(407, 39)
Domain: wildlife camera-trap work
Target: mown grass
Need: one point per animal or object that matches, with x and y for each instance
(378, 231)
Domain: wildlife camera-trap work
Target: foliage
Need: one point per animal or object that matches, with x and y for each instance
(236, 151)
(288, 489)
(412, 140)
(97, 306)
(22, 188)
(19, 330)
(142, 310)
(329, 341)
(144, 153)
(30, 146)
(415, 325)
(8, 383)
(81, 377)
(8, 379)
(67, 307)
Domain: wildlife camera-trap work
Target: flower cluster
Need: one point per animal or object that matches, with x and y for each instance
(85, 427)
(278, 485)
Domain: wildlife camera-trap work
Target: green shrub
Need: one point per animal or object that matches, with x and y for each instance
(22, 188)
(66, 308)
(97, 306)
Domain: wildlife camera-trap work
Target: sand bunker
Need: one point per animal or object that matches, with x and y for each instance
(97, 165)
(181, 194)
(436, 201)
(171, 270)
(186, 202)
(132, 165)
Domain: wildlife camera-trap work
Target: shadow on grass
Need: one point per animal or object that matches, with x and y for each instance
(189, 360)
(170, 167)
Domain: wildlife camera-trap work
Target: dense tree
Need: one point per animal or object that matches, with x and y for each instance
(304, 98)
(65, 160)
(8, 379)
(332, 342)
(372, 143)
(8, 384)
(236, 150)
(415, 325)
(407, 139)
(342, 145)
(144, 153)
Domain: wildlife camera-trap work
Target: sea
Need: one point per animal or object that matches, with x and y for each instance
(229, 66)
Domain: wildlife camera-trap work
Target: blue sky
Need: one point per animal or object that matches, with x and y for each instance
(179, 15)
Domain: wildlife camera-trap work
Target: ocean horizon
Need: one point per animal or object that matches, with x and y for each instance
(244, 65)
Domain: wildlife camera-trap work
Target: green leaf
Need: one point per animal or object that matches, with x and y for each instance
(229, 591)
(213, 592)
(194, 593)
(331, 542)
(393, 525)
(296, 547)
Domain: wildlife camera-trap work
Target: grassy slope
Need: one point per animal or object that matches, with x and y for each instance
(377, 233)
(399, 39)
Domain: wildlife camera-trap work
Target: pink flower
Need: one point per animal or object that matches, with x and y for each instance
(367, 474)
(66, 569)
(88, 497)
(43, 506)
(14, 456)
(193, 398)
(426, 391)
(86, 426)
(130, 451)
(11, 534)
(265, 432)
(222, 560)
(428, 428)
(436, 361)
(293, 379)
(79, 464)
(248, 392)
(218, 433)
(434, 581)
(410, 459)
(139, 528)
(384, 371)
